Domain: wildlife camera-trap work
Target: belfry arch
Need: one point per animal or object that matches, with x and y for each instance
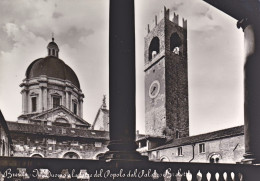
(154, 47)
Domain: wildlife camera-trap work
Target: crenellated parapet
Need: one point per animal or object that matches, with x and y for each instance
(166, 13)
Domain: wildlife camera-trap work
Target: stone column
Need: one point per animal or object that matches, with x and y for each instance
(41, 99)
(251, 90)
(45, 97)
(25, 100)
(122, 144)
(67, 99)
(81, 107)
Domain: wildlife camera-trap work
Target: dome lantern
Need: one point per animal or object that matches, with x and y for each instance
(53, 49)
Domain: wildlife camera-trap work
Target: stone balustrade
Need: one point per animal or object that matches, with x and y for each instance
(21, 168)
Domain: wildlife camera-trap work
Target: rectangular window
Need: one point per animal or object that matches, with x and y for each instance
(34, 104)
(180, 151)
(202, 148)
(56, 102)
(75, 143)
(75, 108)
(63, 131)
(177, 134)
(98, 144)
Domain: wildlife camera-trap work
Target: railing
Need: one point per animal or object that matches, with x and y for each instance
(18, 168)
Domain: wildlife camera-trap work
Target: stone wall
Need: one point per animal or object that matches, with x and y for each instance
(27, 145)
(229, 149)
(168, 112)
(5, 149)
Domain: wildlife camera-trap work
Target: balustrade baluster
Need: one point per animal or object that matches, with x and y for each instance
(225, 176)
(199, 176)
(167, 175)
(178, 176)
(217, 176)
(43, 174)
(208, 176)
(83, 175)
(240, 177)
(2, 177)
(188, 176)
(232, 174)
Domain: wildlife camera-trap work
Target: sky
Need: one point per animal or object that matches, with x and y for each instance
(215, 54)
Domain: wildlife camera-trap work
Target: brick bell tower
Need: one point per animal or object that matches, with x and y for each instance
(166, 77)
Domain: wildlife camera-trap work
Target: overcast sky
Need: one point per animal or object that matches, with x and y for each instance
(215, 51)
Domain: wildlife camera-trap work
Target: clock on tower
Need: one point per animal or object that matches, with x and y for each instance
(166, 78)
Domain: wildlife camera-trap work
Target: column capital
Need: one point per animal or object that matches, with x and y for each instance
(68, 90)
(81, 98)
(43, 85)
(25, 90)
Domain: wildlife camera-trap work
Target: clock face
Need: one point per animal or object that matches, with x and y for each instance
(154, 89)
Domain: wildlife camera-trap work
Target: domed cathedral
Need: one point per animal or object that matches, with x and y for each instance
(51, 125)
(51, 92)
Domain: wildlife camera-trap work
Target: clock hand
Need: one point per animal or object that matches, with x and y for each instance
(154, 88)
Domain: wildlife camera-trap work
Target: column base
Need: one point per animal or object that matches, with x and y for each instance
(249, 158)
(123, 156)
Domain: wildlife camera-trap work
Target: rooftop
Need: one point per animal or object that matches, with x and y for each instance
(234, 131)
(47, 130)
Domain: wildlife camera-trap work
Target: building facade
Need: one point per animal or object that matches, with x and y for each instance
(51, 124)
(223, 146)
(166, 102)
(6, 144)
(101, 121)
(166, 78)
(41, 140)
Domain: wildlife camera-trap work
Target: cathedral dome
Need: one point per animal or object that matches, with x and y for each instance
(52, 66)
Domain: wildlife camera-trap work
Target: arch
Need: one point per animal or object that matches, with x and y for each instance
(37, 155)
(214, 157)
(154, 47)
(175, 43)
(96, 156)
(71, 155)
(164, 159)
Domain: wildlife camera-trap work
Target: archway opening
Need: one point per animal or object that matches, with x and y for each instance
(71, 155)
(154, 48)
(175, 43)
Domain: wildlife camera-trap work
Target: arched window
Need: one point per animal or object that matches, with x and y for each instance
(175, 43)
(214, 158)
(98, 156)
(71, 155)
(154, 48)
(164, 159)
(37, 156)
